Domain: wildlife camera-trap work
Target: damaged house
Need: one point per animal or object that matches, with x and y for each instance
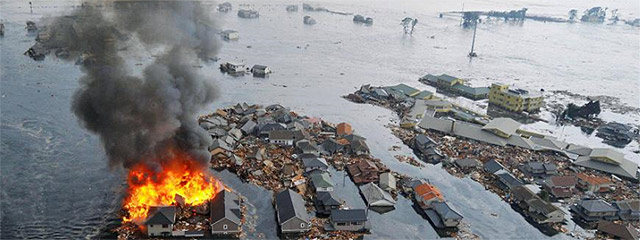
(160, 221)
(225, 213)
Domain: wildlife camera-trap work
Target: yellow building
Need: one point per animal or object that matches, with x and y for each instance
(515, 100)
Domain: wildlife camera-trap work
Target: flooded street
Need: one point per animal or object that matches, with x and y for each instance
(56, 183)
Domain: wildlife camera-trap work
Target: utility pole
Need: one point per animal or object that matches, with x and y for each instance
(473, 43)
(462, 14)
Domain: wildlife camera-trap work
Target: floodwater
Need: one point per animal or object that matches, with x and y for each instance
(54, 176)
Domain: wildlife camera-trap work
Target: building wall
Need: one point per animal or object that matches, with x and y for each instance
(451, 222)
(554, 217)
(218, 228)
(281, 142)
(498, 96)
(295, 225)
(158, 230)
(348, 226)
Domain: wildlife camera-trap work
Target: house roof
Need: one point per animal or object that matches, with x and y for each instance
(315, 162)
(596, 205)
(375, 196)
(427, 192)
(593, 180)
(625, 231)
(343, 129)
(542, 206)
(561, 181)
(505, 125)
(353, 137)
(446, 211)
(260, 67)
(437, 103)
(281, 135)
(249, 127)
(467, 163)
(331, 145)
(403, 88)
(423, 94)
(631, 204)
(492, 166)
(522, 193)
(359, 145)
(219, 143)
(226, 205)
(475, 91)
(161, 215)
(321, 180)
(447, 78)
(306, 145)
(423, 139)
(508, 179)
(612, 156)
(289, 205)
(626, 168)
(535, 165)
(388, 179)
(349, 215)
(579, 150)
(430, 78)
(328, 198)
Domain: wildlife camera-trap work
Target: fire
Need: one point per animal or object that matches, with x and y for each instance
(179, 176)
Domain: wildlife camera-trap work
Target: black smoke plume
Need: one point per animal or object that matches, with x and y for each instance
(143, 116)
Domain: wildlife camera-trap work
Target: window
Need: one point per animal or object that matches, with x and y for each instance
(225, 227)
(151, 225)
(342, 224)
(165, 225)
(301, 225)
(355, 223)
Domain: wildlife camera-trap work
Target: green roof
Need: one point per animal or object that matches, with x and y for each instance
(321, 180)
(430, 78)
(424, 94)
(403, 88)
(447, 78)
(471, 90)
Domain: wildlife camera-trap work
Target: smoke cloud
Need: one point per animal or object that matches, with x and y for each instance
(141, 118)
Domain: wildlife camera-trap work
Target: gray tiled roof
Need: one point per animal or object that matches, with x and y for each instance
(492, 166)
(328, 198)
(161, 215)
(348, 215)
(315, 162)
(626, 168)
(597, 205)
(446, 211)
(506, 125)
(289, 205)
(226, 205)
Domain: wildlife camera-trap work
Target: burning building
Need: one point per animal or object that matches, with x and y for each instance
(145, 117)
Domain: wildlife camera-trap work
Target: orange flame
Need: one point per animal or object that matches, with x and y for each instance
(179, 176)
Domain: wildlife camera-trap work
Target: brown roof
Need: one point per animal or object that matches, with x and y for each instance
(563, 181)
(343, 129)
(593, 180)
(428, 192)
(618, 230)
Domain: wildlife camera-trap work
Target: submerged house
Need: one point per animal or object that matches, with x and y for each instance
(442, 215)
(260, 71)
(560, 186)
(618, 231)
(387, 182)
(628, 210)
(375, 196)
(321, 181)
(539, 210)
(591, 211)
(354, 220)
(364, 171)
(325, 202)
(314, 163)
(291, 213)
(160, 221)
(248, 13)
(594, 183)
(225, 213)
(426, 194)
(230, 35)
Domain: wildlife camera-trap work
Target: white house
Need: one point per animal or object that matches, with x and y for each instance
(230, 35)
